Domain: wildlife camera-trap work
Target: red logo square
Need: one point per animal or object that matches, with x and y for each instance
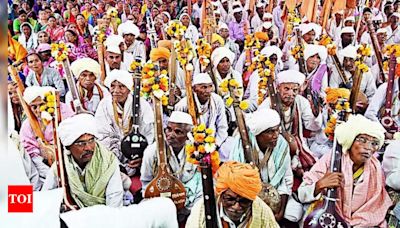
(20, 198)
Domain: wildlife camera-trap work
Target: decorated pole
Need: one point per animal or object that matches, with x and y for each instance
(201, 150)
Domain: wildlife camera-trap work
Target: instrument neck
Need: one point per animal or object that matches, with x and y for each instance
(136, 101)
(162, 160)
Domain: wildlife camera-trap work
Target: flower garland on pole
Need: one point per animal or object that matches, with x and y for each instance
(338, 101)
(201, 147)
(231, 89)
(265, 70)
(388, 51)
(364, 50)
(153, 82)
(204, 52)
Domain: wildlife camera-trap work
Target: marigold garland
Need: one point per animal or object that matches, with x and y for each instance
(228, 85)
(204, 52)
(176, 29)
(293, 20)
(201, 146)
(265, 69)
(48, 108)
(297, 51)
(339, 98)
(388, 50)
(327, 42)
(134, 65)
(185, 54)
(364, 50)
(59, 51)
(154, 82)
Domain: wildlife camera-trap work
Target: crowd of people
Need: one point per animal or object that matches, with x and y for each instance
(314, 86)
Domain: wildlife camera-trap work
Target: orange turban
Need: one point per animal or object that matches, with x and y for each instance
(261, 36)
(216, 37)
(165, 43)
(241, 178)
(333, 94)
(158, 53)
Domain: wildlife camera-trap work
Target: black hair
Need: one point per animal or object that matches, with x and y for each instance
(34, 53)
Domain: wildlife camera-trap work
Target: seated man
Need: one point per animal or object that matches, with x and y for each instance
(210, 107)
(362, 197)
(90, 92)
(92, 170)
(237, 187)
(36, 148)
(273, 158)
(179, 124)
(114, 116)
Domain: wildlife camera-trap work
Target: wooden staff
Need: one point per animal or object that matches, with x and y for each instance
(355, 94)
(244, 135)
(100, 52)
(62, 176)
(33, 121)
(164, 184)
(377, 50)
(172, 74)
(189, 6)
(210, 207)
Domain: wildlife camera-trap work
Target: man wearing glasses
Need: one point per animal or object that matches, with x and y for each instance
(92, 170)
(237, 187)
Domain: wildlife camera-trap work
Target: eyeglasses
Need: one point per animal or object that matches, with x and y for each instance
(230, 201)
(85, 143)
(374, 143)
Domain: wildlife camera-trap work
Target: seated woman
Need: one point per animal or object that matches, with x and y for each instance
(363, 200)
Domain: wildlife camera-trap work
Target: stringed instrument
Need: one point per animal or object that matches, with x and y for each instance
(355, 94)
(377, 50)
(387, 121)
(76, 101)
(62, 177)
(164, 184)
(172, 79)
(325, 214)
(134, 144)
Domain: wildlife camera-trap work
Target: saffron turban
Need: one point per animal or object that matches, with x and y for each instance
(33, 92)
(262, 119)
(219, 53)
(85, 64)
(333, 94)
(74, 127)
(158, 53)
(165, 43)
(121, 76)
(261, 36)
(356, 125)
(312, 49)
(241, 178)
(215, 37)
(290, 76)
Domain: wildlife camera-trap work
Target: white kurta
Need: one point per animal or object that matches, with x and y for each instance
(111, 135)
(367, 86)
(136, 50)
(391, 165)
(214, 117)
(94, 101)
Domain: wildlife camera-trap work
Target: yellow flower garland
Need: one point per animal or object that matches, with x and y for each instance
(112, 12)
(388, 50)
(204, 52)
(185, 54)
(59, 51)
(154, 83)
(48, 108)
(176, 29)
(202, 147)
(364, 50)
(225, 85)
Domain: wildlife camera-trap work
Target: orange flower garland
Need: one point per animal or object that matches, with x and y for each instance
(388, 51)
(339, 98)
(202, 147)
(204, 51)
(327, 42)
(154, 82)
(59, 51)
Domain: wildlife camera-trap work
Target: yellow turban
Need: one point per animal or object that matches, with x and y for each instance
(261, 36)
(216, 37)
(165, 43)
(158, 53)
(241, 178)
(357, 125)
(333, 94)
